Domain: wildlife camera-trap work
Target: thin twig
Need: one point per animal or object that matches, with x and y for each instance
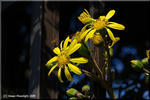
(97, 67)
(89, 74)
(145, 70)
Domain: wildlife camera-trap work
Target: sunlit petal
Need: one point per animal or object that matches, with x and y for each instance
(59, 75)
(110, 14)
(90, 35)
(52, 69)
(56, 50)
(110, 34)
(86, 11)
(115, 25)
(73, 49)
(66, 42)
(148, 53)
(51, 60)
(84, 33)
(85, 17)
(116, 40)
(74, 69)
(102, 17)
(73, 43)
(83, 29)
(79, 60)
(68, 75)
(61, 45)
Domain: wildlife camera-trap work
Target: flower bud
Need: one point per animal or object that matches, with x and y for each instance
(97, 39)
(145, 61)
(136, 64)
(73, 98)
(75, 93)
(86, 88)
(71, 92)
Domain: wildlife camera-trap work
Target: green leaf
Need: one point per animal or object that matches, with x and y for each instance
(84, 50)
(86, 88)
(71, 92)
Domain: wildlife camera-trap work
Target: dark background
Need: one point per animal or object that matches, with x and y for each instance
(134, 40)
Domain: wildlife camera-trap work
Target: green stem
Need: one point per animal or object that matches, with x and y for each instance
(109, 89)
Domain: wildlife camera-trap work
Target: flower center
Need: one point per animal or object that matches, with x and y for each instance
(63, 59)
(100, 23)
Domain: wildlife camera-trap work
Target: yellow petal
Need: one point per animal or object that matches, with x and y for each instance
(115, 25)
(74, 42)
(83, 29)
(51, 60)
(86, 11)
(133, 61)
(61, 47)
(90, 35)
(79, 60)
(84, 33)
(56, 50)
(110, 34)
(74, 69)
(59, 75)
(66, 42)
(68, 75)
(110, 14)
(73, 49)
(102, 18)
(85, 17)
(116, 40)
(148, 53)
(52, 69)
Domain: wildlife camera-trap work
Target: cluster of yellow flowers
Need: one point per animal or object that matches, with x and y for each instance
(97, 24)
(69, 46)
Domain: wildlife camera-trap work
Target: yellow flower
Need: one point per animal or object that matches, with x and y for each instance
(63, 60)
(101, 23)
(85, 17)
